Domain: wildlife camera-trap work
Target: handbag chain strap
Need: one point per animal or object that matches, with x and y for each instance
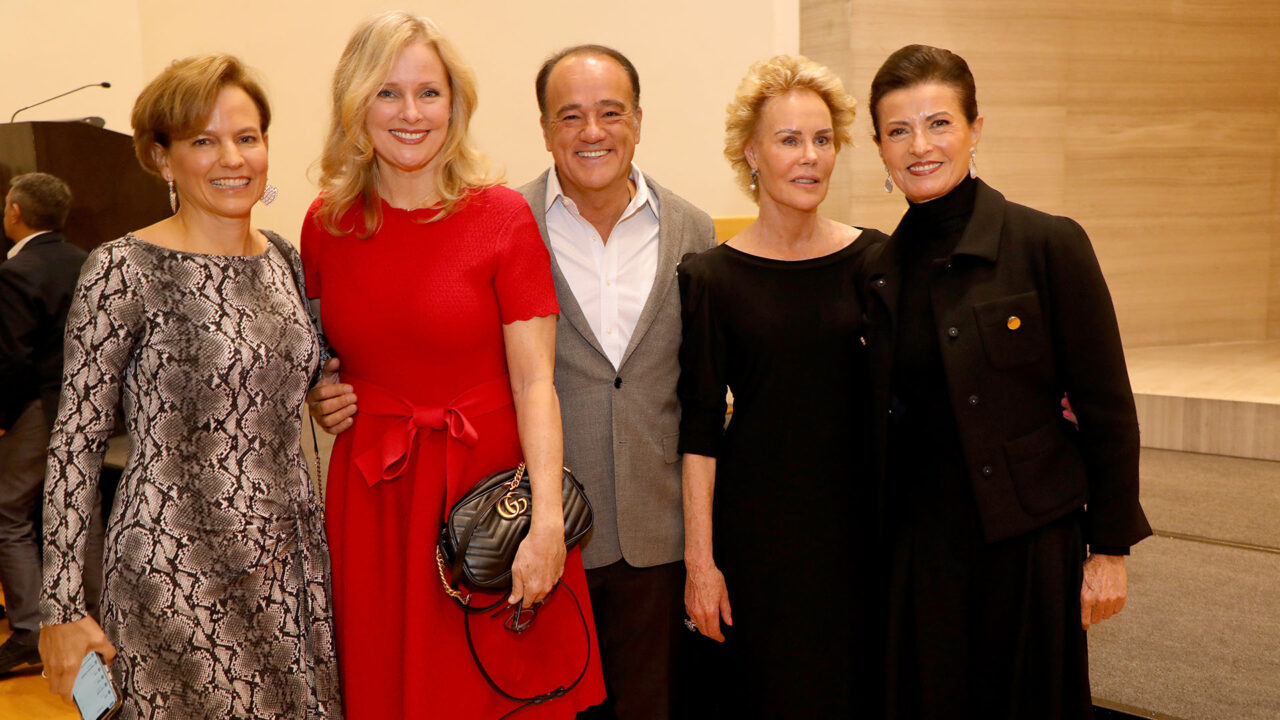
(315, 447)
(464, 599)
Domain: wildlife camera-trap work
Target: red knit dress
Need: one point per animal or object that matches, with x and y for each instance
(416, 314)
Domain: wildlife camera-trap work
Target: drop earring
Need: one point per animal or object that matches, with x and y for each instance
(888, 180)
(973, 162)
(269, 194)
(173, 198)
(755, 177)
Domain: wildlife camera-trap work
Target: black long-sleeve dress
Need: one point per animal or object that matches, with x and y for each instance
(790, 505)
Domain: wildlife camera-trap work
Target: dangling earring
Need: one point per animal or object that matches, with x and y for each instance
(269, 194)
(973, 162)
(755, 177)
(888, 180)
(173, 198)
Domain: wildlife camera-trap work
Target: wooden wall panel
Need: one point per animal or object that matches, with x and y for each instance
(1186, 280)
(824, 33)
(1154, 123)
(1273, 290)
(1273, 293)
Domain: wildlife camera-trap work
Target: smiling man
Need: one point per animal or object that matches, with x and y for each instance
(615, 238)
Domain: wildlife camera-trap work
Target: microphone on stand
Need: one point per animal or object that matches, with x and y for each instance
(55, 97)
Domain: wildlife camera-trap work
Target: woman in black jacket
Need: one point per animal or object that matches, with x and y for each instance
(983, 313)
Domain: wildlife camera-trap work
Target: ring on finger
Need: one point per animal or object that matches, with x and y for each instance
(690, 625)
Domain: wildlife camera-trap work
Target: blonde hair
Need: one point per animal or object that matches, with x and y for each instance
(349, 165)
(772, 78)
(176, 104)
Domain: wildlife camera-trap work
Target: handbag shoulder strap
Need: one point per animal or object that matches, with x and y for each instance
(294, 261)
(558, 692)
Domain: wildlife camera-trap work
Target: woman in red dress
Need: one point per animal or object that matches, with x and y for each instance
(437, 295)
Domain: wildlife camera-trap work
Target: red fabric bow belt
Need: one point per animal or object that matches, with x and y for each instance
(388, 426)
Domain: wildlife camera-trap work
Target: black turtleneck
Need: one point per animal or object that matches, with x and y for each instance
(941, 219)
(925, 442)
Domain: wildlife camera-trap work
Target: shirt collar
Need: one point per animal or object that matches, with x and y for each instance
(639, 200)
(23, 243)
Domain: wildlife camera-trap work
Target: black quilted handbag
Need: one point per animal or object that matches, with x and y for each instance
(478, 544)
(483, 530)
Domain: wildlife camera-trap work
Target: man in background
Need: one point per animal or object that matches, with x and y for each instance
(37, 280)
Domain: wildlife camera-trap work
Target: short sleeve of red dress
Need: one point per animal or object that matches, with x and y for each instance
(523, 281)
(311, 238)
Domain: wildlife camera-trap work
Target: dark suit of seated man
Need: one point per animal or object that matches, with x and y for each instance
(37, 280)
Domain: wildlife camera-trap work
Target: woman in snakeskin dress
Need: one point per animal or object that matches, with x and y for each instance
(216, 599)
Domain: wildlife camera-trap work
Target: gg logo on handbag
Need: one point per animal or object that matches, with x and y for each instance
(512, 506)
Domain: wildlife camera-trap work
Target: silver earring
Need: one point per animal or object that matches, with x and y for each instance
(973, 162)
(888, 180)
(269, 194)
(173, 198)
(755, 177)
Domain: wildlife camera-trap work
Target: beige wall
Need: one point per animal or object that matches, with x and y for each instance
(1152, 123)
(690, 56)
(52, 46)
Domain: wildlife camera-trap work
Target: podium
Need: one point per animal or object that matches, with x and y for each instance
(111, 193)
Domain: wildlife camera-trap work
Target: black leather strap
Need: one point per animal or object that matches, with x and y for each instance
(298, 286)
(558, 692)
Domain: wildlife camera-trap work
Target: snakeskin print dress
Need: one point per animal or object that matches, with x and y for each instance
(216, 591)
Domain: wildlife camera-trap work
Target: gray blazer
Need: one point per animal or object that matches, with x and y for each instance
(621, 426)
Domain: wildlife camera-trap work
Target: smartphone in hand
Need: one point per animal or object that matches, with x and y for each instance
(95, 695)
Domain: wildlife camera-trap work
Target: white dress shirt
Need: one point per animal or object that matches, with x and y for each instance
(23, 242)
(611, 281)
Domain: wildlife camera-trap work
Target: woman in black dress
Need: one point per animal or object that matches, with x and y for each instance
(771, 510)
(983, 314)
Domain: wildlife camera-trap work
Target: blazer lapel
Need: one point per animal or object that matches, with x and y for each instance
(978, 245)
(981, 236)
(668, 256)
(570, 310)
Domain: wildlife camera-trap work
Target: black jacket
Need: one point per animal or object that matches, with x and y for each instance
(1023, 315)
(36, 286)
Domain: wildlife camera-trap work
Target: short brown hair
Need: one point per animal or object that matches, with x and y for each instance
(776, 77)
(177, 102)
(917, 64)
(43, 200)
